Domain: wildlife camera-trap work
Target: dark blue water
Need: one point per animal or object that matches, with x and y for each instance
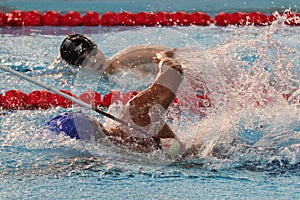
(211, 8)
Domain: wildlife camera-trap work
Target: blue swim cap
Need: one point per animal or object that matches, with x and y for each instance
(75, 125)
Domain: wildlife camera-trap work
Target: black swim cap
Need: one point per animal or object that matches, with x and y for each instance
(75, 48)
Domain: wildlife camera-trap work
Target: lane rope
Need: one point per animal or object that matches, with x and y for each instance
(180, 18)
(71, 98)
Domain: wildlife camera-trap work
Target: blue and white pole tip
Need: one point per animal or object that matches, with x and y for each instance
(170, 147)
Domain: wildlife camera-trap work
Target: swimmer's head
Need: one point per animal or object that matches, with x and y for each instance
(75, 48)
(78, 50)
(77, 125)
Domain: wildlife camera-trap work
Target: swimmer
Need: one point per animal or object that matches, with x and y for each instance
(144, 111)
(79, 51)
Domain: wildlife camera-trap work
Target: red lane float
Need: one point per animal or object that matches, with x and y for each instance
(109, 19)
(73, 18)
(163, 18)
(14, 18)
(32, 18)
(115, 96)
(292, 19)
(145, 19)
(126, 19)
(258, 18)
(41, 99)
(51, 18)
(240, 18)
(57, 100)
(91, 97)
(91, 19)
(14, 99)
(181, 18)
(200, 19)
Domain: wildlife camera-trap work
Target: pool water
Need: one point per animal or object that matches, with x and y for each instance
(250, 137)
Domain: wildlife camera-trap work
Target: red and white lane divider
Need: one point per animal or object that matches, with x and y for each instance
(73, 18)
(43, 99)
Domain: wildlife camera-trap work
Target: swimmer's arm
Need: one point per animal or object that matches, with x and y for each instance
(134, 56)
(121, 139)
(157, 94)
(136, 144)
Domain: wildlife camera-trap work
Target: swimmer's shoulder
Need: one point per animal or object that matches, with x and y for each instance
(134, 56)
(140, 49)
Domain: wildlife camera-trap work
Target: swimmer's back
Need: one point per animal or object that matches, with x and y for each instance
(134, 56)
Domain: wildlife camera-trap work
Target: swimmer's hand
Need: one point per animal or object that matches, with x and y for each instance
(165, 59)
(159, 56)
